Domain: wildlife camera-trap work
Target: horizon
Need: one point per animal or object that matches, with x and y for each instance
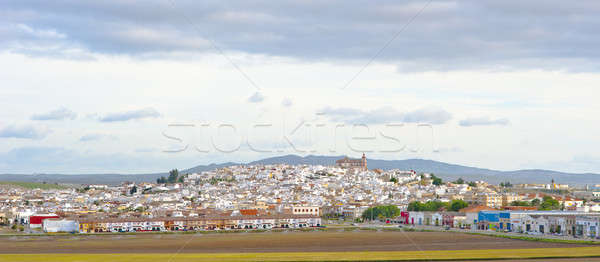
(301, 156)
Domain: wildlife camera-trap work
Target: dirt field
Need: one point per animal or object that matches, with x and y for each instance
(263, 242)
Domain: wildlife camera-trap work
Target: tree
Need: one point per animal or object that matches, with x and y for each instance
(549, 203)
(389, 211)
(133, 190)
(518, 203)
(161, 180)
(459, 181)
(415, 206)
(472, 184)
(457, 204)
(436, 180)
(428, 206)
(393, 179)
(173, 175)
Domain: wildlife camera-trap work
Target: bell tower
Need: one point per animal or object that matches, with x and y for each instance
(364, 162)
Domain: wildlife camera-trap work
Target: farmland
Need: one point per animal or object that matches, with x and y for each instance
(282, 246)
(32, 185)
(314, 241)
(587, 253)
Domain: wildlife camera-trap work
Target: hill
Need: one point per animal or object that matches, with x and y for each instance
(445, 170)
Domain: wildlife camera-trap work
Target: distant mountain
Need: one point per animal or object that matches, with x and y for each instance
(441, 169)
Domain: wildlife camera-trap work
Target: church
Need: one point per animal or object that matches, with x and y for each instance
(353, 163)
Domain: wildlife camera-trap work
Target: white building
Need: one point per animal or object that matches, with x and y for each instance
(60, 225)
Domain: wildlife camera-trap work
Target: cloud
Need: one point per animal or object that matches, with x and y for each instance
(256, 98)
(433, 115)
(96, 137)
(485, 34)
(24, 131)
(130, 115)
(286, 102)
(483, 121)
(58, 114)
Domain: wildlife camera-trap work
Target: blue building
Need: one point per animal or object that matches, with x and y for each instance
(488, 220)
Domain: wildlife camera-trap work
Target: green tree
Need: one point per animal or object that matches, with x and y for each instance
(389, 211)
(436, 180)
(549, 203)
(415, 206)
(173, 175)
(393, 179)
(519, 203)
(457, 204)
(428, 206)
(459, 181)
(133, 190)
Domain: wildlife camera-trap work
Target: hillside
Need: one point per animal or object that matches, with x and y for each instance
(445, 170)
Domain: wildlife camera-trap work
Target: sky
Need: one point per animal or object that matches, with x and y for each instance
(148, 86)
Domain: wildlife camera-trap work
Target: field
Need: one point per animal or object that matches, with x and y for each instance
(31, 185)
(481, 254)
(283, 246)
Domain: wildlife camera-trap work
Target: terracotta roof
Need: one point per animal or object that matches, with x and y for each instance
(521, 208)
(139, 219)
(248, 212)
(476, 209)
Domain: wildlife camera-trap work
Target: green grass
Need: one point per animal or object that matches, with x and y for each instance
(540, 239)
(31, 185)
(537, 253)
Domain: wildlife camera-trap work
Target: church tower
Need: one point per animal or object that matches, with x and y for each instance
(364, 162)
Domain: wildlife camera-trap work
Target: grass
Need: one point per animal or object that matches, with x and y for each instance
(32, 185)
(539, 253)
(541, 239)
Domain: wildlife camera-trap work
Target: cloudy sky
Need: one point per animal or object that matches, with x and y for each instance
(146, 86)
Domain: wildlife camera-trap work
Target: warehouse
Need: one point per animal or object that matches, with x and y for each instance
(35, 221)
(52, 225)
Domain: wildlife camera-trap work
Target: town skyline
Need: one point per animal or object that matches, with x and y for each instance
(446, 170)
